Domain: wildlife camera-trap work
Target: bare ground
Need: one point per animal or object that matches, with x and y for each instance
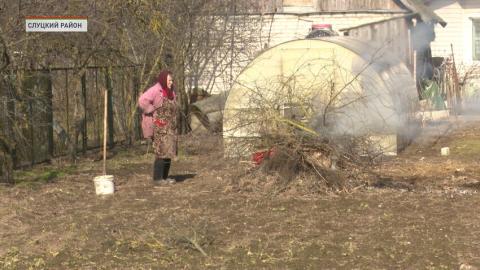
(421, 212)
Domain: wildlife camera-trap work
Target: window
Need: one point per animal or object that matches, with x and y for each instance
(476, 39)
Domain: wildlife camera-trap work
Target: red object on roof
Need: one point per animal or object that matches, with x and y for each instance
(321, 26)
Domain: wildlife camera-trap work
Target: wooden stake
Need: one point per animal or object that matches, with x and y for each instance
(456, 84)
(105, 133)
(410, 53)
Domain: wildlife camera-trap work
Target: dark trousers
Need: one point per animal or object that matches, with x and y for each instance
(161, 166)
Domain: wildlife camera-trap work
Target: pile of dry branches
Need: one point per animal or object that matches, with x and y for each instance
(318, 164)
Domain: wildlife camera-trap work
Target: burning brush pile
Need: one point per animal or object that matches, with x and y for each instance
(309, 164)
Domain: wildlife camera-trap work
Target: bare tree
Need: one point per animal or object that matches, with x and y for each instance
(201, 41)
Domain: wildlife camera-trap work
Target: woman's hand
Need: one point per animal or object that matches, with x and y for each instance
(153, 111)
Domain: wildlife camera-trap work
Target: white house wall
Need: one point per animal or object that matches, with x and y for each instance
(458, 32)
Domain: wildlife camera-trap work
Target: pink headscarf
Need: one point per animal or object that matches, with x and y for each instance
(162, 80)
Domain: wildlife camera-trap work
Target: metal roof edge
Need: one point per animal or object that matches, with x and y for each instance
(376, 22)
(418, 6)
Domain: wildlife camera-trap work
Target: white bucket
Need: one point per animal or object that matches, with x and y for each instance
(104, 184)
(445, 151)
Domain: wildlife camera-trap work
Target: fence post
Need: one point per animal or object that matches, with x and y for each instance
(137, 118)
(111, 132)
(84, 126)
(67, 105)
(49, 115)
(32, 132)
(97, 123)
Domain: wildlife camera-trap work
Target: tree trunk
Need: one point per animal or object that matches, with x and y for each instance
(79, 120)
(10, 86)
(179, 74)
(72, 141)
(7, 149)
(6, 169)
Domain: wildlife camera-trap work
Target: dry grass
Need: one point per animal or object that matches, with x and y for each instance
(211, 221)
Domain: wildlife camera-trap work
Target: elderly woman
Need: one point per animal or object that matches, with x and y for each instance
(159, 123)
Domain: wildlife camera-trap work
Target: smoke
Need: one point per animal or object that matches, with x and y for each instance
(422, 35)
(377, 97)
(471, 93)
(355, 91)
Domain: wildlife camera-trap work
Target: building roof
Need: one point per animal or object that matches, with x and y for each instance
(418, 7)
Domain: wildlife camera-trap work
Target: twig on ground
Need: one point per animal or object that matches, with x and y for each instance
(193, 241)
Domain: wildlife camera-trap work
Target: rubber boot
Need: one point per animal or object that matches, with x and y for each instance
(167, 163)
(158, 170)
(166, 170)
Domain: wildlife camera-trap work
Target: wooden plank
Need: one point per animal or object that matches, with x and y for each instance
(294, 3)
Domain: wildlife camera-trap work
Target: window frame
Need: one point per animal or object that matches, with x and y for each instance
(475, 38)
